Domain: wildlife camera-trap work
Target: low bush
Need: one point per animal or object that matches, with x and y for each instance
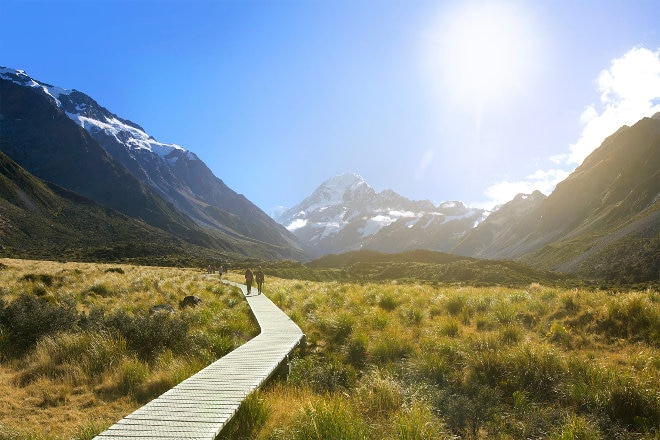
(147, 335)
(28, 318)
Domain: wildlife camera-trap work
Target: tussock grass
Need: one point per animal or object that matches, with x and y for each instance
(382, 360)
(419, 361)
(79, 348)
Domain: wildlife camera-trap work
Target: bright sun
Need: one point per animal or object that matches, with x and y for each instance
(482, 51)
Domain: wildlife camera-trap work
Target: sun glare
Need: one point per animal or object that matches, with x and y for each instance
(482, 52)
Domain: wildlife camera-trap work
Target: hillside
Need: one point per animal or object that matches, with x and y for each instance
(45, 221)
(603, 221)
(414, 267)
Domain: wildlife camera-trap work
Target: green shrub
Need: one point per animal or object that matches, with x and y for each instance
(455, 303)
(380, 395)
(432, 367)
(341, 327)
(576, 428)
(149, 334)
(535, 369)
(560, 334)
(356, 350)
(43, 278)
(390, 347)
(91, 354)
(133, 373)
(412, 315)
(467, 411)
(510, 334)
(450, 328)
(118, 270)
(634, 318)
(28, 318)
(208, 345)
(101, 289)
(633, 405)
(418, 423)
(90, 429)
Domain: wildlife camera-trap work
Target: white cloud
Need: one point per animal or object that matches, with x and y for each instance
(541, 180)
(629, 90)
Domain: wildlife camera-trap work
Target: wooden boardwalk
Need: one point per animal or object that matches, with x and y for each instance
(200, 406)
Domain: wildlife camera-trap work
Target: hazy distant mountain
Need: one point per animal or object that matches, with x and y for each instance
(65, 137)
(498, 227)
(604, 219)
(344, 213)
(602, 222)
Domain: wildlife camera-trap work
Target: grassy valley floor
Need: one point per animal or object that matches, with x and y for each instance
(382, 360)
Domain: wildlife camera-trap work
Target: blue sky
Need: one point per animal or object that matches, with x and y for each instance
(441, 100)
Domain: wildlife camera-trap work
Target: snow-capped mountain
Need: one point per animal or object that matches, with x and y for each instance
(175, 174)
(344, 213)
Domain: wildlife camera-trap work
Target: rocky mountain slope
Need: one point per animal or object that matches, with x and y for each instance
(65, 137)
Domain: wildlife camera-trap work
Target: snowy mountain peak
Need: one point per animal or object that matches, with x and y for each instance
(342, 188)
(345, 213)
(97, 120)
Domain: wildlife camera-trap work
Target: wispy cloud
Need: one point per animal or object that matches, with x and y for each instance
(629, 91)
(424, 163)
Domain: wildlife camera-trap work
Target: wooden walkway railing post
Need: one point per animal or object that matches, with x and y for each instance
(200, 406)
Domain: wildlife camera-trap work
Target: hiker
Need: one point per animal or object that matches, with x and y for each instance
(220, 270)
(259, 276)
(248, 280)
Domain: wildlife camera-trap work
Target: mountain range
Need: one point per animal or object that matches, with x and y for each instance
(345, 214)
(602, 222)
(79, 182)
(65, 138)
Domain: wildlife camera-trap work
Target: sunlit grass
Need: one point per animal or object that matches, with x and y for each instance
(466, 362)
(79, 348)
(382, 361)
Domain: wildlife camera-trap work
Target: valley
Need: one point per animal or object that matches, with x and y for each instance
(383, 359)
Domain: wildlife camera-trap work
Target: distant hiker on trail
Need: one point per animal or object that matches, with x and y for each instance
(220, 270)
(259, 276)
(248, 280)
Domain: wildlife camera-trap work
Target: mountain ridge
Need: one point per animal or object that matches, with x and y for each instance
(114, 161)
(601, 222)
(344, 213)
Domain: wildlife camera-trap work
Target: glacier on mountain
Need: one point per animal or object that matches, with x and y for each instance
(345, 213)
(133, 137)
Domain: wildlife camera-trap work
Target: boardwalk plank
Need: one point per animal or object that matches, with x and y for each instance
(200, 406)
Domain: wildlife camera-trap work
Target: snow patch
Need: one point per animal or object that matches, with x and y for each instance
(132, 137)
(297, 224)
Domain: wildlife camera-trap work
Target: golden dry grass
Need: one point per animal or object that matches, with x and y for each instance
(382, 360)
(57, 390)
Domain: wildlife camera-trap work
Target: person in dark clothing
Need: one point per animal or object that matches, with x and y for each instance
(259, 276)
(248, 280)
